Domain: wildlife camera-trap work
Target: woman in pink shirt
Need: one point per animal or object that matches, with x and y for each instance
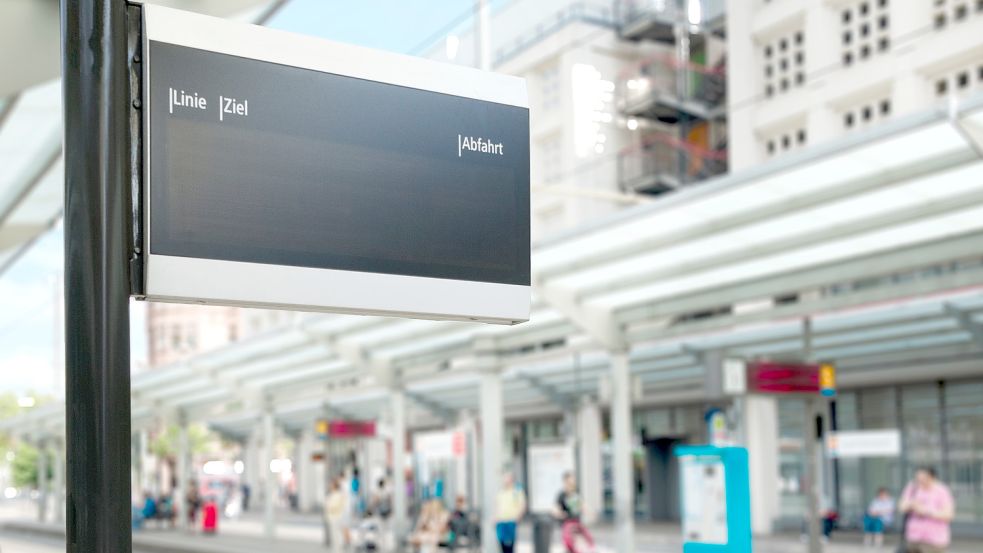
(930, 508)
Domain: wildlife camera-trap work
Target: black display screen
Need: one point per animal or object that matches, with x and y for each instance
(265, 163)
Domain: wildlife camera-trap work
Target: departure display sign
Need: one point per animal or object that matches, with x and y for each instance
(286, 171)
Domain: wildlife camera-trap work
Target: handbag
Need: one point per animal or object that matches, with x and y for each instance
(902, 541)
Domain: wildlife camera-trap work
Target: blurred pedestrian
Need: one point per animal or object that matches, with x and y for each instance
(879, 515)
(209, 516)
(381, 505)
(568, 509)
(431, 527)
(335, 506)
(149, 510)
(459, 525)
(193, 503)
(246, 490)
(929, 509)
(511, 507)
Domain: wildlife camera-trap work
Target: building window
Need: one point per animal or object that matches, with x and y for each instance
(549, 81)
(785, 141)
(550, 158)
(866, 114)
(963, 81)
(866, 28)
(953, 11)
(784, 63)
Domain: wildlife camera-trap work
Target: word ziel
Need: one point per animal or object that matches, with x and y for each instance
(232, 106)
(472, 144)
(226, 106)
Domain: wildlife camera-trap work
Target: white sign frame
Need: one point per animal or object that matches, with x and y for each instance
(857, 444)
(219, 282)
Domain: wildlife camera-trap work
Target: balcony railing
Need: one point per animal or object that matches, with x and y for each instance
(634, 15)
(662, 162)
(661, 85)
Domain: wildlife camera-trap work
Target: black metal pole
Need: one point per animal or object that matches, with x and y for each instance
(97, 324)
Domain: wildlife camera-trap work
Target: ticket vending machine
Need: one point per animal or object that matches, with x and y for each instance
(716, 499)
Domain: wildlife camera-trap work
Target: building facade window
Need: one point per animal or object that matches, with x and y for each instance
(863, 115)
(866, 30)
(783, 62)
(952, 12)
(550, 153)
(785, 141)
(963, 81)
(549, 87)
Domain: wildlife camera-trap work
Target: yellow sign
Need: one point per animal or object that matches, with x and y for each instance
(827, 378)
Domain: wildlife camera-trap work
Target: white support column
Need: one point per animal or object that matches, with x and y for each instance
(400, 514)
(181, 491)
(760, 431)
(589, 440)
(492, 423)
(483, 36)
(305, 471)
(469, 486)
(58, 487)
(269, 479)
(621, 462)
(253, 467)
(42, 481)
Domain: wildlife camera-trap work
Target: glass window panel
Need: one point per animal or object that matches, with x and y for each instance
(877, 409)
(922, 426)
(964, 434)
(792, 465)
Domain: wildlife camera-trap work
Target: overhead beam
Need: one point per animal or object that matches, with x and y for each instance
(434, 408)
(966, 322)
(562, 400)
(881, 264)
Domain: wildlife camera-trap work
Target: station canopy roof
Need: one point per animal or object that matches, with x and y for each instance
(875, 236)
(31, 182)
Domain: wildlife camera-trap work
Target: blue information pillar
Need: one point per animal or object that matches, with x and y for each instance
(716, 499)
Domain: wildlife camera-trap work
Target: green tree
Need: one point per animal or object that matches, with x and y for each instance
(24, 468)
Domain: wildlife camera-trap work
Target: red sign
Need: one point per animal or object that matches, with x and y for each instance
(351, 429)
(458, 444)
(775, 377)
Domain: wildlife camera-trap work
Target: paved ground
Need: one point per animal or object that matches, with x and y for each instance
(303, 534)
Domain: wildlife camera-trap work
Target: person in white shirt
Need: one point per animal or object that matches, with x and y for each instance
(335, 511)
(880, 513)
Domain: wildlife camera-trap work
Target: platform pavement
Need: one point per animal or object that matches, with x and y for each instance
(302, 534)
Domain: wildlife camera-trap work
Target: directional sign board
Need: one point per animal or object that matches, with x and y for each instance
(290, 172)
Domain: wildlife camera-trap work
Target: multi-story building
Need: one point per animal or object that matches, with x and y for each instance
(571, 56)
(819, 71)
(178, 331)
(815, 70)
(674, 98)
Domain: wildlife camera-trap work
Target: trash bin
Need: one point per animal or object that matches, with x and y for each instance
(542, 530)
